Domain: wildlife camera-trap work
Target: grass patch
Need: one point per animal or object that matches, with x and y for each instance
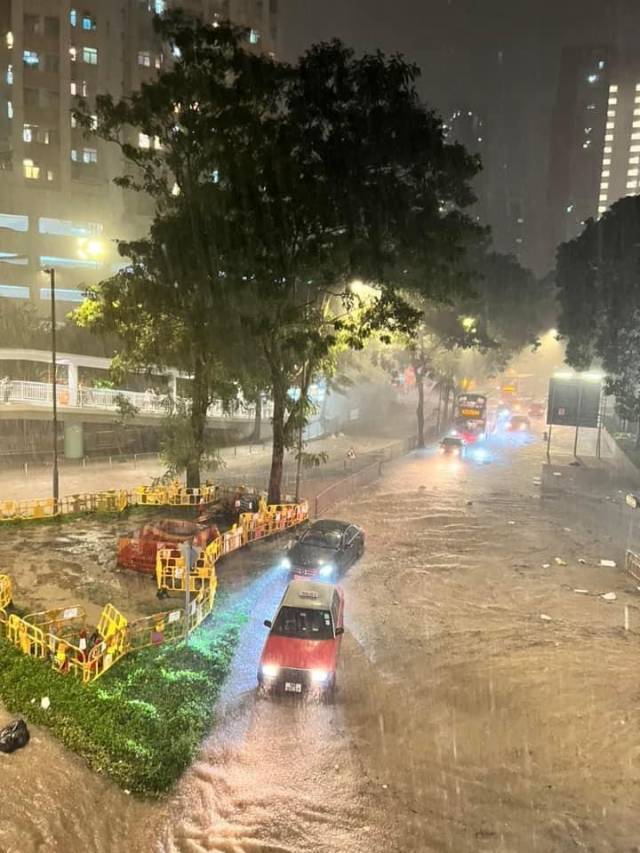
(141, 723)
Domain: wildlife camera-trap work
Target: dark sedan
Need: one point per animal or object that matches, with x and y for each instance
(325, 550)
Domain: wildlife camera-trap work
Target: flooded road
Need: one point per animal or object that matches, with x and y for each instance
(463, 720)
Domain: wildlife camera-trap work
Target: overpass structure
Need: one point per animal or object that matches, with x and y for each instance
(31, 400)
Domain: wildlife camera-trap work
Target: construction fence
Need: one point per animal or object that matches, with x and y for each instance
(61, 636)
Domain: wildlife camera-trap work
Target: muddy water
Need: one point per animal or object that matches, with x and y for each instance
(463, 723)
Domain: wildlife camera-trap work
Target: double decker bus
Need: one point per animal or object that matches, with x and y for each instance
(470, 421)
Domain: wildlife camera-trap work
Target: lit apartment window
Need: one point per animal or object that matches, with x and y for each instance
(90, 155)
(63, 294)
(73, 17)
(613, 87)
(9, 75)
(74, 155)
(78, 88)
(31, 171)
(93, 122)
(144, 141)
(159, 6)
(9, 109)
(144, 58)
(31, 58)
(90, 55)
(65, 227)
(73, 53)
(88, 23)
(613, 102)
(28, 133)
(606, 173)
(254, 36)
(74, 121)
(9, 40)
(14, 222)
(158, 60)
(49, 174)
(12, 291)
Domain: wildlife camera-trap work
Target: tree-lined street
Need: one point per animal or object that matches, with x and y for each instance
(483, 703)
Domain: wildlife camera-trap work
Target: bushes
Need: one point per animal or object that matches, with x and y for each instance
(141, 723)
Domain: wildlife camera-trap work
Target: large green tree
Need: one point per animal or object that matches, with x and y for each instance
(598, 281)
(275, 186)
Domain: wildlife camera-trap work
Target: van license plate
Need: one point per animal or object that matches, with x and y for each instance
(292, 687)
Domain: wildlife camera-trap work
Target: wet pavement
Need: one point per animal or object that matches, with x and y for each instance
(464, 721)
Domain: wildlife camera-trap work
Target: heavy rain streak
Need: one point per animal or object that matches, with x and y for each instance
(320, 427)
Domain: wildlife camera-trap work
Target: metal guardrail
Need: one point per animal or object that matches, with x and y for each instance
(347, 486)
(108, 399)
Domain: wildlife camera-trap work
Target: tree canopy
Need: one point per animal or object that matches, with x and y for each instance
(598, 280)
(275, 186)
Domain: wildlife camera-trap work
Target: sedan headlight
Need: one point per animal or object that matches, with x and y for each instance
(285, 563)
(327, 570)
(319, 676)
(270, 670)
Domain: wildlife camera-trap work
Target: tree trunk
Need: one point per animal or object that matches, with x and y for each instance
(277, 453)
(445, 416)
(439, 415)
(198, 421)
(420, 409)
(257, 423)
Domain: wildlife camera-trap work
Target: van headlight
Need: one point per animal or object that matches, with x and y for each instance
(285, 563)
(327, 570)
(270, 670)
(319, 676)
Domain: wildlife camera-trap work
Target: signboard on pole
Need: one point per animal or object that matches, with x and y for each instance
(574, 401)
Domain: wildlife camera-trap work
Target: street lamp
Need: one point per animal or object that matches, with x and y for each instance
(52, 288)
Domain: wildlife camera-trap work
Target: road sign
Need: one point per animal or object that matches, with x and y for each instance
(574, 401)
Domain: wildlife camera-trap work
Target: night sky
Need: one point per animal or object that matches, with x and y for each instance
(497, 57)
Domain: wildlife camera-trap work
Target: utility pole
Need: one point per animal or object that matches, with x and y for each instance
(300, 432)
(54, 387)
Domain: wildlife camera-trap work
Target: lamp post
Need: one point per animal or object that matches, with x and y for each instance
(52, 287)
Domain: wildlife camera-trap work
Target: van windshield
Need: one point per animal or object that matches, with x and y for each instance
(303, 624)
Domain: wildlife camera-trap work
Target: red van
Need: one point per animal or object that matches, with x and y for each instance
(301, 651)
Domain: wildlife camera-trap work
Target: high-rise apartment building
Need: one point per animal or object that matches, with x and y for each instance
(58, 204)
(581, 118)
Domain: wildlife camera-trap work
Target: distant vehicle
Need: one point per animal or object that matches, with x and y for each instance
(301, 651)
(325, 550)
(452, 446)
(536, 410)
(470, 422)
(519, 423)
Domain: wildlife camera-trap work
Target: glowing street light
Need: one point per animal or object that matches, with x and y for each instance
(468, 324)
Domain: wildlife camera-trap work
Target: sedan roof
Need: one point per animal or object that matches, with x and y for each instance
(329, 524)
(308, 594)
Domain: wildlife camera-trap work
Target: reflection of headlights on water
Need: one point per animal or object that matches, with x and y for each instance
(285, 563)
(480, 454)
(270, 670)
(522, 427)
(327, 571)
(319, 676)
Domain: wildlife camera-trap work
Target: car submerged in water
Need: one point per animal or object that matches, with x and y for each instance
(452, 446)
(301, 651)
(325, 550)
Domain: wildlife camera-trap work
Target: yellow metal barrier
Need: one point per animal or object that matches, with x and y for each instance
(5, 592)
(30, 639)
(59, 635)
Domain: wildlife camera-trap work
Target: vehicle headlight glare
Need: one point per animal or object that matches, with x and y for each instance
(319, 676)
(327, 570)
(270, 670)
(286, 563)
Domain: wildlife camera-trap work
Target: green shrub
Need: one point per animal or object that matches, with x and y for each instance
(141, 723)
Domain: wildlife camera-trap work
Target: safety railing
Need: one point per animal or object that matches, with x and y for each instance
(632, 565)
(5, 595)
(59, 635)
(115, 500)
(110, 399)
